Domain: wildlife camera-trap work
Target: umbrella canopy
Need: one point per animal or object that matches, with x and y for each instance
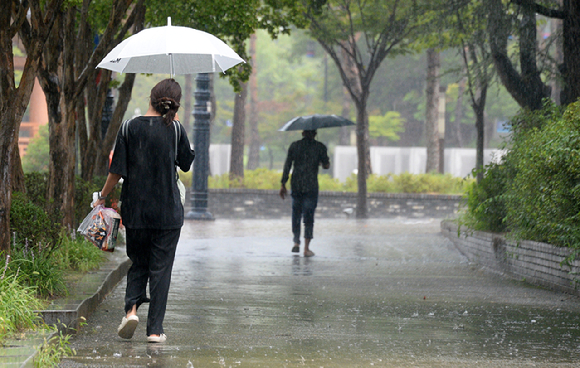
(316, 121)
(171, 50)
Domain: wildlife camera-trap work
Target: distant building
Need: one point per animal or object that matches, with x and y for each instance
(37, 113)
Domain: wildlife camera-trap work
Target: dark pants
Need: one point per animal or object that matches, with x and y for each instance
(152, 253)
(303, 207)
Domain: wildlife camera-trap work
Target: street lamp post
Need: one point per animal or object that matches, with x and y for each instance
(201, 144)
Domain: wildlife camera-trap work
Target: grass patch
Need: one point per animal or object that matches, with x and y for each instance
(78, 254)
(401, 183)
(17, 306)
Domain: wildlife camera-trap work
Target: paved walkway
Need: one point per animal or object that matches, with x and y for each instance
(383, 293)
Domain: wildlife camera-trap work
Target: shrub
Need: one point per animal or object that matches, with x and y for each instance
(534, 194)
(31, 223)
(380, 184)
(76, 253)
(486, 201)
(37, 268)
(17, 306)
(262, 178)
(410, 183)
(544, 196)
(325, 182)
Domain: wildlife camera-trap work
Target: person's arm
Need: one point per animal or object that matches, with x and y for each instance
(325, 161)
(112, 180)
(185, 155)
(286, 173)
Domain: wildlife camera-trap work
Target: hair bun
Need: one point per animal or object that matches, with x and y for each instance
(167, 103)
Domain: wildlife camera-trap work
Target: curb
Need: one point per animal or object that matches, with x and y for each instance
(68, 319)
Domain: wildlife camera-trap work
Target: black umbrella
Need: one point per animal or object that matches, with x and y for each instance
(313, 122)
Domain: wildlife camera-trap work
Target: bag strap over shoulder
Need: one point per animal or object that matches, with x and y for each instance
(124, 127)
(177, 135)
(176, 127)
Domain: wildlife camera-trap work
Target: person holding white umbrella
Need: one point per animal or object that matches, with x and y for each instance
(151, 207)
(146, 153)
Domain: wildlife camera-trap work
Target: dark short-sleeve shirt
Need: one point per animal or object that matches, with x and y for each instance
(305, 156)
(144, 156)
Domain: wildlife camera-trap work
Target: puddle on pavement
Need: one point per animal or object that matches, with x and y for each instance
(403, 300)
(321, 333)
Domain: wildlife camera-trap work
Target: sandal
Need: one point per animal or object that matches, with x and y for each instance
(309, 253)
(127, 327)
(157, 339)
(296, 249)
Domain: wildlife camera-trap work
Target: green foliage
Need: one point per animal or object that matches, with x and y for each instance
(219, 181)
(544, 195)
(36, 268)
(37, 158)
(31, 223)
(486, 201)
(41, 250)
(386, 126)
(534, 194)
(52, 351)
(325, 182)
(402, 183)
(262, 178)
(18, 305)
(76, 253)
(36, 184)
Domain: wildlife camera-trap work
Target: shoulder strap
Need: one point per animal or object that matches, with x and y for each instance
(177, 135)
(124, 127)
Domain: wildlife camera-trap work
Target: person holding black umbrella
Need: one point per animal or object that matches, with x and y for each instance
(304, 157)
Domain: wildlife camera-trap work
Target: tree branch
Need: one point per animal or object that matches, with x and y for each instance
(540, 9)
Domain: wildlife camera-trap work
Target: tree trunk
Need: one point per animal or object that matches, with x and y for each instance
(92, 138)
(254, 146)
(431, 111)
(61, 186)
(526, 87)
(103, 151)
(479, 110)
(459, 113)
(13, 101)
(571, 29)
(237, 154)
(362, 147)
(556, 84)
(17, 173)
(61, 165)
(344, 139)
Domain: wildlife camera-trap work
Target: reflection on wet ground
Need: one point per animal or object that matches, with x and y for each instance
(386, 293)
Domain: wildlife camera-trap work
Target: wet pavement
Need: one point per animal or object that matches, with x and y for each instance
(378, 293)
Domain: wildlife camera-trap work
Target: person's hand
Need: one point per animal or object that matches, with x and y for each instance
(283, 192)
(96, 200)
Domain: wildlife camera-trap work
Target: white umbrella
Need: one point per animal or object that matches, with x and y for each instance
(171, 50)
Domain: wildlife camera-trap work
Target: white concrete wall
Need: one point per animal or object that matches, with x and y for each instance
(396, 160)
(219, 158)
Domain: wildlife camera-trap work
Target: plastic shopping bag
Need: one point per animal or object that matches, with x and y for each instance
(101, 227)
